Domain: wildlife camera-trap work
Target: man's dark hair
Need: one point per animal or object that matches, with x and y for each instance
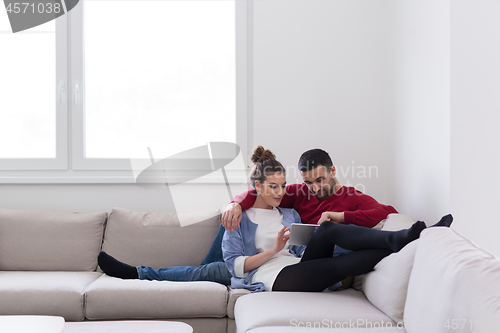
(311, 159)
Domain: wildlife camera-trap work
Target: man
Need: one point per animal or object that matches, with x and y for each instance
(321, 197)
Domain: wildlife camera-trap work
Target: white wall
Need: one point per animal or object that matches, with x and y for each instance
(475, 118)
(103, 197)
(322, 80)
(446, 110)
(84, 197)
(420, 181)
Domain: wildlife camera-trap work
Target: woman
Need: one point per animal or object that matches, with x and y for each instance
(259, 258)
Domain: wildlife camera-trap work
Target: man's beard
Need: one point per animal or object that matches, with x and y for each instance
(331, 190)
(323, 195)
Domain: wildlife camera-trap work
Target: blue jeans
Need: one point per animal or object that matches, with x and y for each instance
(214, 272)
(212, 268)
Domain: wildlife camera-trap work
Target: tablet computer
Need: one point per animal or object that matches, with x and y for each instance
(300, 234)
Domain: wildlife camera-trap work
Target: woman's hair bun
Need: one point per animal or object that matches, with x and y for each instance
(265, 165)
(260, 154)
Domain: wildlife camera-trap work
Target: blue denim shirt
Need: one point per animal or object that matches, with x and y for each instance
(241, 242)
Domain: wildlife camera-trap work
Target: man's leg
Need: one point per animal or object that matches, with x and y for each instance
(214, 272)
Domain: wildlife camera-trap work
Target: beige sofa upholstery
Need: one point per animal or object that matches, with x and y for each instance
(47, 261)
(33, 240)
(111, 298)
(157, 239)
(48, 266)
(45, 293)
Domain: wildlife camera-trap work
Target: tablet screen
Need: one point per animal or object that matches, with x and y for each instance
(300, 234)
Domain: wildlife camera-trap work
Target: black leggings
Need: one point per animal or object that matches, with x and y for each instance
(318, 270)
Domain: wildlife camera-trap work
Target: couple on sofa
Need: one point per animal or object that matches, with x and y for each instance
(254, 253)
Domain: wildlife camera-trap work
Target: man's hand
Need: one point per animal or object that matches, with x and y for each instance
(231, 217)
(335, 217)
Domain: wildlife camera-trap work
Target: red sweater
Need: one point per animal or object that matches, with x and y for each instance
(358, 208)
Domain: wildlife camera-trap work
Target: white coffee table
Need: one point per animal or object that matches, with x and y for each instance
(28, 324)
(127, 326)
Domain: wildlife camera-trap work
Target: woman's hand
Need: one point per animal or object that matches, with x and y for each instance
(335, 217)
(281, 240)
(259, 259)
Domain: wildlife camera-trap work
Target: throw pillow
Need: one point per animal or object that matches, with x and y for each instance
(387, 285)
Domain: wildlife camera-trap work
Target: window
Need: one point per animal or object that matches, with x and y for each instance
(32, 103)
(159, 74)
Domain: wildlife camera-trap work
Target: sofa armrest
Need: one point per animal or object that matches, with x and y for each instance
(233, 295)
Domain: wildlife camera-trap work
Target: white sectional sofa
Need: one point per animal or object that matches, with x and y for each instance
(439, 283)
(48, 266)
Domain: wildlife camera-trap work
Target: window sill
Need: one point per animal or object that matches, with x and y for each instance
(107, 180)
(114, 177)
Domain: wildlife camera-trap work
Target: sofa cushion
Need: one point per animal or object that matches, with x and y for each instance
(157, 239)
(453, 285)
(234, 294)
(397, 222)
(288, 309)
(33, 240)
(113, 298)
(45, 293)
(386, 286)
